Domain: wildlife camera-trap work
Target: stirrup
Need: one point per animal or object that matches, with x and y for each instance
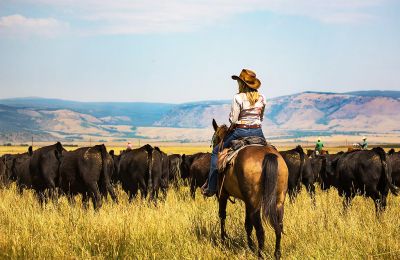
(204, 187)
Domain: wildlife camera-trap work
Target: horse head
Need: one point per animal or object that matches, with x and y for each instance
(219, 133)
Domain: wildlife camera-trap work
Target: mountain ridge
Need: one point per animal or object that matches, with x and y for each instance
(299, 114)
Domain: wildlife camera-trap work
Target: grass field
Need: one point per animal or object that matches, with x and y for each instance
(181, 228)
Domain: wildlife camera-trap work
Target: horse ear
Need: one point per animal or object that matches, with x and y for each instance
(214, 123)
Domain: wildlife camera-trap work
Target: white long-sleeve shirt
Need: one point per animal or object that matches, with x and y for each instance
(243, 113)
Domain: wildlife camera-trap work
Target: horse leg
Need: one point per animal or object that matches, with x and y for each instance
(248, 225)
(278, 236)
(223, 201)
(256, 218)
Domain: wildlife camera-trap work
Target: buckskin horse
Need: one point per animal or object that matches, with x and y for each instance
(259, 177)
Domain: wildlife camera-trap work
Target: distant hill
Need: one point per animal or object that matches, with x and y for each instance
(135, 113)
(307, 111)
(302, 114)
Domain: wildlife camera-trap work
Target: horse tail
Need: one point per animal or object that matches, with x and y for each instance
(269, 196)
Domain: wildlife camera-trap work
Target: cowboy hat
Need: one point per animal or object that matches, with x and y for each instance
(248, 77)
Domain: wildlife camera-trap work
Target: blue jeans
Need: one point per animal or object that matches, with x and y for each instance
(236, 134)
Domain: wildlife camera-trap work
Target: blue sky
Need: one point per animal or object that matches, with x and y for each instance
(178, 51)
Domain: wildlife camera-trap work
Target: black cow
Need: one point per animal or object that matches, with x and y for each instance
(20, 170)
(196, 168)
(116, 158)
(300, 171)
(316, 166)
(175, 161)
(364, 172)
(87, 171)
(394, 158)
(6, 162)
(324, 169)
(164, 172)
(295, 162)
(4, 171)
(141, 168)
(43, 167)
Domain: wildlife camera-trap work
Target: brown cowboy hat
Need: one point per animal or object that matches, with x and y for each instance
(248, 77)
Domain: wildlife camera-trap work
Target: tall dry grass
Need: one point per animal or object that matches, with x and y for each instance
(181, 228)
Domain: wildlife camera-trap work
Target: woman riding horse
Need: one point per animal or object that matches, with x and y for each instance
(246, 115)
(258, 175)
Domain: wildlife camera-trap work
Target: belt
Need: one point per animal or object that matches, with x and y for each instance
(248, 126)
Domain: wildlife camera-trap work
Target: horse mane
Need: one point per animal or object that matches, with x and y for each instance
(222, 128)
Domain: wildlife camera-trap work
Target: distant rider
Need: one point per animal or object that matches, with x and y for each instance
(364, 144)
(318, 146)
(247, 112)
(129, 146)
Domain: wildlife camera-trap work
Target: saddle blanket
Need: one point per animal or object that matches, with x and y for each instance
(226, 156)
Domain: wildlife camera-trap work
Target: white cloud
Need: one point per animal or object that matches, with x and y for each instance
(159, 16)
(18, 25)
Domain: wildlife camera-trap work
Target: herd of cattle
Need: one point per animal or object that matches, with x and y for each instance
(52, 171)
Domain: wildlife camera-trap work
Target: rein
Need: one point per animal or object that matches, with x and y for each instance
(220, 148)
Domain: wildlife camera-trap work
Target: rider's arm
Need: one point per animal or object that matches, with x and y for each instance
(235, 110)
(263, 109)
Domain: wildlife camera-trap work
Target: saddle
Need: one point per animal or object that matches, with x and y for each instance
(227, 156)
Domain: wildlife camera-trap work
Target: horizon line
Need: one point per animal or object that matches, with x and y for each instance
(188, 102)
